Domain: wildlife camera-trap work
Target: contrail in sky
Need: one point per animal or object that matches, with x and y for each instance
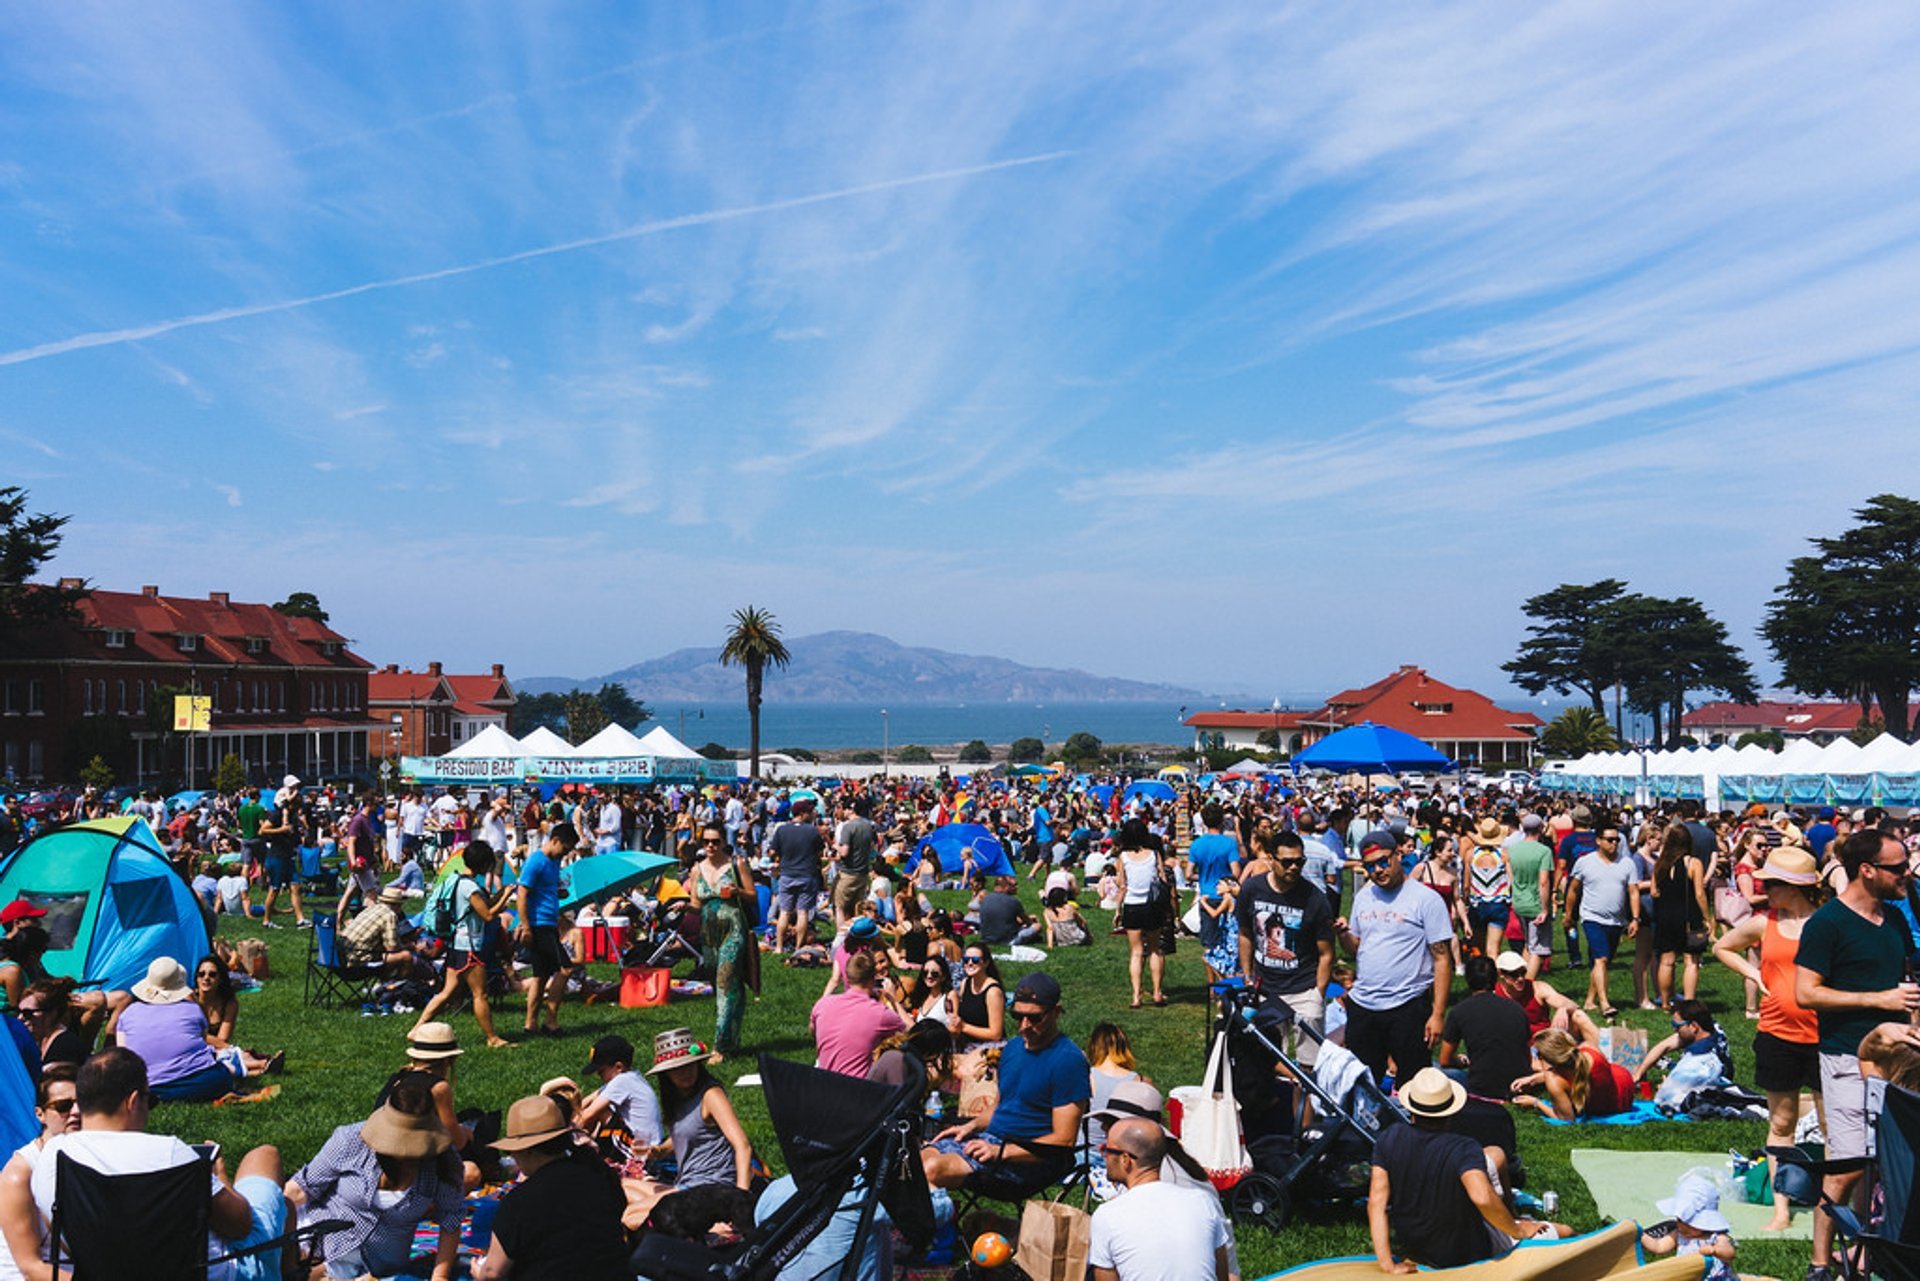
(113, 337)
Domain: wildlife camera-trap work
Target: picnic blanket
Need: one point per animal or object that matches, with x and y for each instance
(1610, 1252)
(1643, 1111)
(1625, 1186)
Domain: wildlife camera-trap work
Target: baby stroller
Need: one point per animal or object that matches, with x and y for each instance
(1309, 1130)
(666, 936)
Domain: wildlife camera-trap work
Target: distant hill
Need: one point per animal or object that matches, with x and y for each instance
(859, 667)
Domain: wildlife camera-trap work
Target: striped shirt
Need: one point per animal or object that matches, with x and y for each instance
(340, 1183)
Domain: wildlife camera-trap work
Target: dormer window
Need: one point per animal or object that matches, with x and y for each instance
(188, 642)
(330, 649)
(1433, 709)
(118, 638)
(256, 644)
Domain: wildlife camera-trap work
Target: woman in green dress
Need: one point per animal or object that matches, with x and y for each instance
(723, 887)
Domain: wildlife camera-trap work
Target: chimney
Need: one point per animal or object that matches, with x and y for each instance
(218, 598)
(150, 592)
(391, 669)
(433, 669)
(72, 584)
(499, 672)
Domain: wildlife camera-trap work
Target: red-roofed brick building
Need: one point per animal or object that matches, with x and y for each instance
(288, 695)
(1725, 722)
(1463, 724)
(432, 712)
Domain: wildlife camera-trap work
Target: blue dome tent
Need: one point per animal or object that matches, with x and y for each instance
(1151, 789)
(949, 845)
(114, 903)
(1371, 749)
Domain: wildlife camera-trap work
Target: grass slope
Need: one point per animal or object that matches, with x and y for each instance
(337, 1061)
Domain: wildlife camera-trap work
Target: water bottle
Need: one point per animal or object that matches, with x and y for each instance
(1550, 1202)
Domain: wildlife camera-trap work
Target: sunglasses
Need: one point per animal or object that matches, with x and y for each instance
(26, 1010)
(1107, 1149)
(712, 840)
(1030, 1016)
(1376, 864)
(973, 960)
(64, 1105)
(1291, 862)
(1892, 869)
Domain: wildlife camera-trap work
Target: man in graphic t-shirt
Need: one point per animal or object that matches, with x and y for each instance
(1286, 943)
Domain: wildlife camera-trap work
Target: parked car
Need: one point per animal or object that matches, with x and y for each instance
(46, 805)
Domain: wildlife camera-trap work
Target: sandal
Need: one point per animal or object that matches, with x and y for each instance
(1159, 1000)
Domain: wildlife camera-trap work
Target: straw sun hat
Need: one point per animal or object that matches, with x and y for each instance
(431, 1041)
(531, 1122)
(394, 1133)
(166, 982)
(1433, 1094)
(677, 1048)
(1790, 866)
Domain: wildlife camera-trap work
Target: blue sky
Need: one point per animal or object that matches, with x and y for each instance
(1253, 348)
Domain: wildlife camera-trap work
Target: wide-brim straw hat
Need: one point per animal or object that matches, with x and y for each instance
(531, 1122)
(1433, 1094)
(394, 1133)
(677, 1048)
(1488, 831)
(165, 984)
(433, 1041)
(1790, 866)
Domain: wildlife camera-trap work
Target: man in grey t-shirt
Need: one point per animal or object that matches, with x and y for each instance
(853, 844)
(1602, 888)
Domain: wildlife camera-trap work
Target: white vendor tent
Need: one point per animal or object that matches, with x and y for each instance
(489, 742)
(612, 741)
(544, 742)
(659, 742)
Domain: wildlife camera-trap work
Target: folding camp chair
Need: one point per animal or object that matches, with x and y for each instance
(152, 1225)
(329, 981)
(1891, 1248)
(839, 1155)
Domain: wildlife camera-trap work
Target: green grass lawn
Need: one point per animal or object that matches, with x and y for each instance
(337, 1061)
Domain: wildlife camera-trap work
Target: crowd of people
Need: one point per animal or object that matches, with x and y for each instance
(1419, 934)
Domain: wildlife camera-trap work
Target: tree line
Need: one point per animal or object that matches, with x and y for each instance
(1845, 624)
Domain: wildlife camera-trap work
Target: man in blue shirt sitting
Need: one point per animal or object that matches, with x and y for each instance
(1030, 1137)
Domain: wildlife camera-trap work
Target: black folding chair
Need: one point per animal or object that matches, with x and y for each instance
(1887, 1244)
(330, 982)
(152, 1225)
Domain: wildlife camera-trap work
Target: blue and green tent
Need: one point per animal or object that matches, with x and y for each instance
(113, 901)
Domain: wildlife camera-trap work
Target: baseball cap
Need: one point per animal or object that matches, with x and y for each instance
(1038, 988)
(609, 1050)
(1379, 839)
(863, 929)
(1826, 813)
(20, 910)
(1510, 962)
(1582, 816)
(1532, 823)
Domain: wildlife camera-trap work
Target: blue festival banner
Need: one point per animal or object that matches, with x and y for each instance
(1897, 789)
(1850, 789)
(1806, 789)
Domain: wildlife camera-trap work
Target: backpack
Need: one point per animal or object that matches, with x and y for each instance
(446, 906)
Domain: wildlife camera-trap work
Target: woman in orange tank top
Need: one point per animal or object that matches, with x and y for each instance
(1786, 1057)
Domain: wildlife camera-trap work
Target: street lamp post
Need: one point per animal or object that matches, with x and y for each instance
(886, 743)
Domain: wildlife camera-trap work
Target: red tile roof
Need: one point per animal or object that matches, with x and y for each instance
(1246, 720)
(1785, 717)
(1413, 701)
(482, 695)
(154, 624)
(408, 687)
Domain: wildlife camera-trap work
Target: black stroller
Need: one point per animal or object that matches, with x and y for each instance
(1889, 1238)
(666, 936)
(1308, 1130)
(851, 1146)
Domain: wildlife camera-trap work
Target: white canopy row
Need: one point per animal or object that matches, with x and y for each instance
(1884, 755)
(495, 743)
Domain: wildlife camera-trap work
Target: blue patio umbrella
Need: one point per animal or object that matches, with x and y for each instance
(1371, 749)
(600, 876)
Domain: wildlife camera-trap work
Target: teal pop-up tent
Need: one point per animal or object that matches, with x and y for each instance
(113, 902)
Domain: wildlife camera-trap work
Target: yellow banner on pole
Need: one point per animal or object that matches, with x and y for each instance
(192, 713)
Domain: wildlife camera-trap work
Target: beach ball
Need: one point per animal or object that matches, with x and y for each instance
(991, 1250)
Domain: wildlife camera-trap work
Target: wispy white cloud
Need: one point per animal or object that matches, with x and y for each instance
(229, 492)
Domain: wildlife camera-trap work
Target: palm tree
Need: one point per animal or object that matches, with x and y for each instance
(1577, 732)
(753, 643)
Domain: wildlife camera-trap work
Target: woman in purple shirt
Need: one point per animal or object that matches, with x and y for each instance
(167, 1028)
